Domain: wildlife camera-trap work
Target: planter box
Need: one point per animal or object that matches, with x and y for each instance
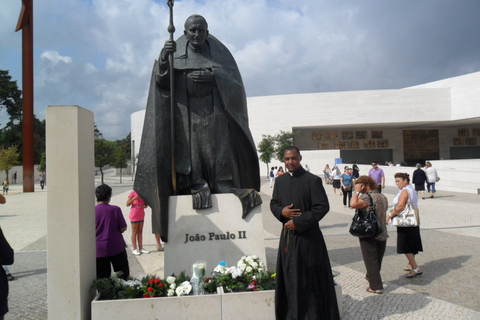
(206, 307)
(231, 306)
(249, 305)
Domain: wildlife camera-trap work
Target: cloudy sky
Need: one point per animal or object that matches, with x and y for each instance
(98, 54)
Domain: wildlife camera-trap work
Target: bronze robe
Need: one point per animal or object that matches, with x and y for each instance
(213, 141)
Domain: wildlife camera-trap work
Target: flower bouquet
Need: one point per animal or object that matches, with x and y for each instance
(154, 288)
(198, 277)
(248, 275)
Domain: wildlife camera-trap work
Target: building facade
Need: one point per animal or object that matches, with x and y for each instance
(432, 121)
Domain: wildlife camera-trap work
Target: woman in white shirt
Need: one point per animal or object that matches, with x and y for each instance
(337, 176)
(432, 177)
(409, 241)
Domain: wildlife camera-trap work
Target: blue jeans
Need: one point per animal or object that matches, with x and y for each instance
(431, 185)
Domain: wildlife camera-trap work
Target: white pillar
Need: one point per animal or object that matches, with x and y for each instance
(71, 249)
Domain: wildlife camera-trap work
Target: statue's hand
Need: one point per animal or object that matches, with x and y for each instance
(204, 75)
(170, 46)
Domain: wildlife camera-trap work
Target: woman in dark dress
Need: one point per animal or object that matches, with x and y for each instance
(419, 178)
(409, 241)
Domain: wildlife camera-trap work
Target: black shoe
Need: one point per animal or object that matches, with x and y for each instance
(10, 277)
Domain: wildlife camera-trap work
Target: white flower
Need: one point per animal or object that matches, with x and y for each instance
(179, 291)
(171, 279)
(219, 269)
(183, 289)
(173, 286)
(187, 287)
(202, 266)
(249, 269)
(236, 273)
(230, 270)
(260, 269)
(249, 260)
(132, 283)
(170, 292)
(242, 266)
(254, 265)
(254, 257)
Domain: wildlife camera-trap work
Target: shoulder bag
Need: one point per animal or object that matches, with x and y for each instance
(409, 217)
(365, 224)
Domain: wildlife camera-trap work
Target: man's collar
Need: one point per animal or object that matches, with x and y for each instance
(297, 172)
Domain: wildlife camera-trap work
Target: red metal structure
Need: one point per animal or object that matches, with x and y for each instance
(25, 23)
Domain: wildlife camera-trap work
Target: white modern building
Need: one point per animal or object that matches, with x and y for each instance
(434, 121)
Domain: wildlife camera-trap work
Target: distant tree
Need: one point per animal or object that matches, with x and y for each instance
(119, 159)
(11, 133)
(104, 154)
(282, 141)
(96, 133)
(8, 158)
(43, 163)
(39, 139)
(10, 97)
(266, 148)
(125, 144)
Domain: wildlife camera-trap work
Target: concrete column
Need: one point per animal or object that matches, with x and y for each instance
(71, 249)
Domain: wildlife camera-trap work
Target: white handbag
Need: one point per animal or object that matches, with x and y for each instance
(409, 217)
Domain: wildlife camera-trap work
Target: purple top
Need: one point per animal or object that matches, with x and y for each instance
(376, 175)
(108, 222)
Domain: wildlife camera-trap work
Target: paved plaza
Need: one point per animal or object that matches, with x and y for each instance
(448, 288)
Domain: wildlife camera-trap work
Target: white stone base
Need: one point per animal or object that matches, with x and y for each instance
(213, 235)
(206, 307)
(231, 306)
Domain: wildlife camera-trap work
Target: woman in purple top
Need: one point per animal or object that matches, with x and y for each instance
(110, 225)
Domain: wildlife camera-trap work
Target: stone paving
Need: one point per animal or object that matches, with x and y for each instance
(448, 288)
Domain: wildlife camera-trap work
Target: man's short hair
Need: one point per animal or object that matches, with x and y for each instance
(289, 148)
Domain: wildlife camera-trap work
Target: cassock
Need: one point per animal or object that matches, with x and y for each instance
(304, 282)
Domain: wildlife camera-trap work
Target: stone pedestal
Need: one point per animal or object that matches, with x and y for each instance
(215, 234)
(71, 212)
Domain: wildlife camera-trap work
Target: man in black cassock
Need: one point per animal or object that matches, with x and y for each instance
(304, 283)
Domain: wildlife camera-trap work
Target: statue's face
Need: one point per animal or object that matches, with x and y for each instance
(196, 32)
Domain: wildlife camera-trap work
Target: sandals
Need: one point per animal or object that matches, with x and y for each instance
(374, 291)
(414, 273)
(407, 268)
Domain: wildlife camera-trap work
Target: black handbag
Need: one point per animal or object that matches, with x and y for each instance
(365, 224)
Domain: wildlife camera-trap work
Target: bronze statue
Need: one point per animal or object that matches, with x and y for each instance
(213, 147)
